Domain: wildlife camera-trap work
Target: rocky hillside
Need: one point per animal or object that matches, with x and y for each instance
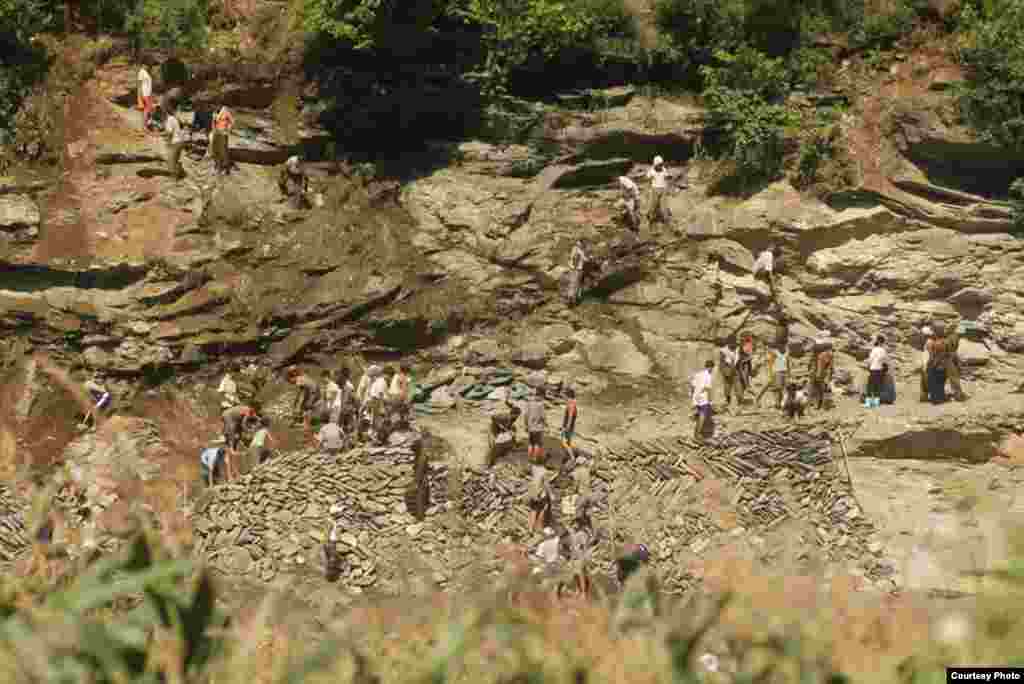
(455, 260)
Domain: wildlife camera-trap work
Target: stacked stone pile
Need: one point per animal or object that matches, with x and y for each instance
(276, 518)
(13, 535)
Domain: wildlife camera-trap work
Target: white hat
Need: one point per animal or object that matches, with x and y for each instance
(548, 531)
(658, 160)
(927, 330)
(373, 370)
(292, 162)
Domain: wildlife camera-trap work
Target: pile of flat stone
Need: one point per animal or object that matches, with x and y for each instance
(13, 535)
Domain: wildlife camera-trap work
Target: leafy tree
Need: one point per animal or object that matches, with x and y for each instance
(22, 63)
(369, 24)
(170, 25)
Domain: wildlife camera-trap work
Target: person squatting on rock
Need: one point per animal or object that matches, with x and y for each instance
(875, 360)
(630, 203)
(781, 371)
(795, 402)
(658, 176)
(294, 184)
(728, 359)
(145, 96)
(175, 136)
(569, 423)
(701, 397)
(330, 439)
(820, 370)
(213, 464)
(538, 498)
(536, 425)
(97, 391)
(307, 397)
(577, 262)
(223, 124)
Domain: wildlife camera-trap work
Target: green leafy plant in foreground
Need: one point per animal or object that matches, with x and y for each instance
(84, 634)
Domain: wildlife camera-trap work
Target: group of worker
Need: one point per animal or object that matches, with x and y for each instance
(659, 175)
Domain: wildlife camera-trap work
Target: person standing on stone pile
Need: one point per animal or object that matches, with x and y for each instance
(376, 398)
(630, 202)
(953, 360)
(744, 368)
(223, 124)
(212, 465)
(539, 497)
(728, 359)
(875, 360)
(569, 423)
(228, 390)
(536, 425)
(306, 398)
(658, 176)
(936, 370)
(888, 393)
(577, 262)
(701, 397)
(820, 371)
(236, 419)
(145, 95)
(175, 137)
(781, 373)
(330, 394)
(342, 407)
(97, 391)
(294, 184)
(766, 264)
(259, 448)
(581, 540)
(399, 393)
(795, 403)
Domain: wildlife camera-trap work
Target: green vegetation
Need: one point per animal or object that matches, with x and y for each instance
(23, 64)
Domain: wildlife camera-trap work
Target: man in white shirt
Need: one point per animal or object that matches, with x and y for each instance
(399, 392)
(702, 399)
(766, 263)
(145, 95)
(631, 202)
(658, 175)
(228, 391)
(875, 361)
(577, 261)
(176, 143)
(928, 334)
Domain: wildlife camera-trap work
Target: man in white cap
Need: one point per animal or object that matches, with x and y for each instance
(631, 202)
(659, 186)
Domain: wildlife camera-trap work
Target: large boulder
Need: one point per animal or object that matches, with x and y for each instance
(19, 218)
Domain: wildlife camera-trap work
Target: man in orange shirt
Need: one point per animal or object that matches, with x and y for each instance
(223, 123)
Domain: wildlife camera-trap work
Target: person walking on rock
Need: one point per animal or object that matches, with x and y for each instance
(630, 202)
(577, 262)
(259, 448)
(936, 369)
(728, 358)
(766, 264)
(820, 372)
(536, 424)
(538, 498)
(953, 360)
(145, 96)
(223, 124)
(928, 334)
(876, 358)
(344, 400)
(569, 423)
(744, 368)
(175, 144)
(235, 420)
(399, 393)
(780, 376)
(306, 398)
(658, 176)
(702, 399)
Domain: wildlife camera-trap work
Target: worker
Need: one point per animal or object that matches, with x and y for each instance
(577, 262)
(399, 393)
(294, 184)
(630, 202)
(228, 390)
(536, 424)
(928, 333)
(953, 360)
(307, 397)
(223, 124)
(658, 176)
(780, 375)
(766, 264)
(820, 371)
(936, 368)
(569, 423)
(538, 498)
(876, 358)
(213, 462)
(175, 136)
(728, 358)
(145, 95)
(97, 391)
(702, 399)
(794, 404)
(235, 421)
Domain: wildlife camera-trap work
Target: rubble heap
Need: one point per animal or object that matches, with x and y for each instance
(397, 512)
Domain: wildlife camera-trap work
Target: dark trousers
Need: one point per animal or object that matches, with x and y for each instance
(874, 388)
(936, 384)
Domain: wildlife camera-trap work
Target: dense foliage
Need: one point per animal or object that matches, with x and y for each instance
(22, 63)
(993, 52)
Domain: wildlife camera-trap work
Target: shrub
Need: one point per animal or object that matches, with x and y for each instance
(743, 96)
(993, 54)
(170, 25)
